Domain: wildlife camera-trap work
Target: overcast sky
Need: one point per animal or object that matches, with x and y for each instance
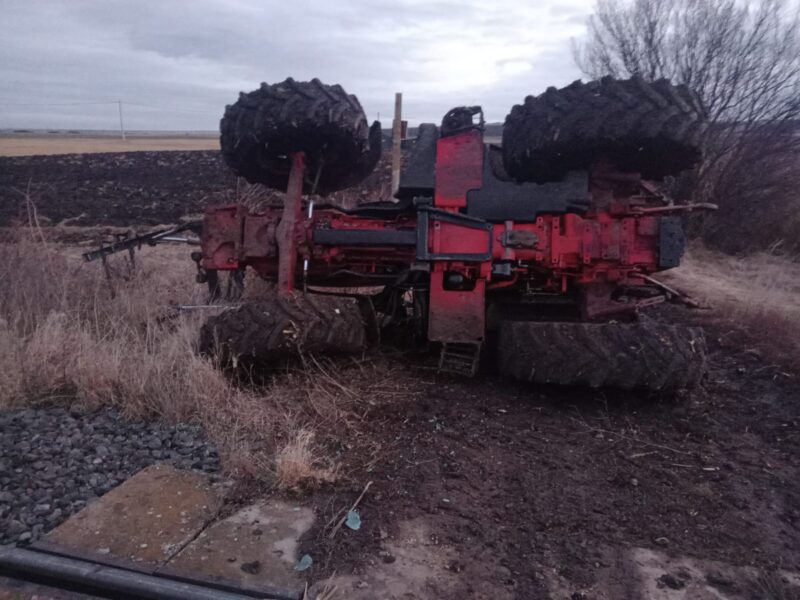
(177, 63)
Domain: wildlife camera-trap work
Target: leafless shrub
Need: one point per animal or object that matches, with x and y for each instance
(743, 58)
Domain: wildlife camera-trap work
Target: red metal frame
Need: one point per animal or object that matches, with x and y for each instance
(589, 254)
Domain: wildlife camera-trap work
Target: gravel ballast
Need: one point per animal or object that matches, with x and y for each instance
(55, 460)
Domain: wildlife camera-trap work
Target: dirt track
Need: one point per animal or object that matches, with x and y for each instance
(519, 486)
(525, 483)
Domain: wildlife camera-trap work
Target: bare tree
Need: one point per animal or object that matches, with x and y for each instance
(743, 58)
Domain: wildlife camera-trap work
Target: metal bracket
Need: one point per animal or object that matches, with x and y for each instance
(426, 214)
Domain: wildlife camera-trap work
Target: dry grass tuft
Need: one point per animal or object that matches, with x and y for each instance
(300, 465)
(759, 294)
(63, 338)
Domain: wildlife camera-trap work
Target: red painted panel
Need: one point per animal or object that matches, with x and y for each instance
(221, 237)
(459, 168)
(455, 316)
(452, 238)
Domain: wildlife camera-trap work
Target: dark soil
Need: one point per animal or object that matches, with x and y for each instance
(539, 479)
(139, 188)
(122, 189)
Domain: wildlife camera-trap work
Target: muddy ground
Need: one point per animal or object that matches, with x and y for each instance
(518, 485)
(524, 483)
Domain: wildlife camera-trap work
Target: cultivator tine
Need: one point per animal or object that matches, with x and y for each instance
(151, 239)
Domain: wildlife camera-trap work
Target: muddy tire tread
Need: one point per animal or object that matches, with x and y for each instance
(275, 329)
(263, 127)
(645, 355)
(655, 128)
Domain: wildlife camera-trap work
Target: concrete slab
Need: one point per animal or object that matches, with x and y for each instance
(255, 546)
(147, 519)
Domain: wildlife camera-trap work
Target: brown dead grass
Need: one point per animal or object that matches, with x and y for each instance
(759, 293)
(45, 145)
(63, 338)
(298, 465)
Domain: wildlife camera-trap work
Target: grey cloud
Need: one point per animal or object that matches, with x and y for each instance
(189, 59)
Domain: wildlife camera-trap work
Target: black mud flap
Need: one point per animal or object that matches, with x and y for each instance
(671, 242)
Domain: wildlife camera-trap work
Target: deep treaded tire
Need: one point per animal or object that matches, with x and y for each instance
(262, 128)
(653, 128)
(275, 329)
(643, 355)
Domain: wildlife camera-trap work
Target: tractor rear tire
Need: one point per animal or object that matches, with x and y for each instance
(653, 128)
(645, 355)
(265, 126)
(273, 330)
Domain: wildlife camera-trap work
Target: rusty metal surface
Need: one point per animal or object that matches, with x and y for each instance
(286, 232)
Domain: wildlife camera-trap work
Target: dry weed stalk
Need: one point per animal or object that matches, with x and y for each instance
(299, 465)
(62, 338)
(758, 293)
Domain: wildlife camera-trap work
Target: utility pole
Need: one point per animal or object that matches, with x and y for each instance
(121, 126)
(397, 134)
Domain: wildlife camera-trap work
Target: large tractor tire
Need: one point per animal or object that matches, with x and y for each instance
(653, 128)
(273, 330)
(644, 355)
(264, 127)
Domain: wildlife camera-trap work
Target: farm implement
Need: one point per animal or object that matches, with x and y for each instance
(538, 254)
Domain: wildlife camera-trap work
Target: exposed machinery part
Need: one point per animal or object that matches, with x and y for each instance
(462, 118)
(652, 128)
(644, 355)
(570, 229)
(260, 131)
(273, 329)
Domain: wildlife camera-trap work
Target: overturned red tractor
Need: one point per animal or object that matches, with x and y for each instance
(537, 254)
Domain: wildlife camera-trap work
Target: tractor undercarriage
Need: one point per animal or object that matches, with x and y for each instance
(470, 257)
(545, 247)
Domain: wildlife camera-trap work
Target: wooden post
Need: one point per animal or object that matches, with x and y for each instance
(397, 136)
